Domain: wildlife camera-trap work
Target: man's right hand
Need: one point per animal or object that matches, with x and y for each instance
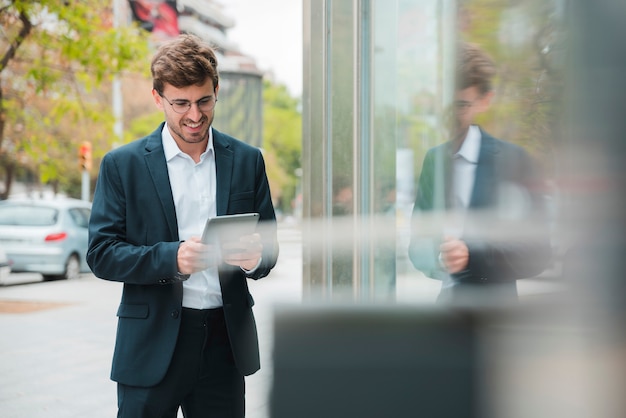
(194, 256)
(454, 254)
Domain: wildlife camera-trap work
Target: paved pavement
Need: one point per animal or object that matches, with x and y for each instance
(56, 345)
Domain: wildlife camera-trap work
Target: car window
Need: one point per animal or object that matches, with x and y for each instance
(25, 215)
(80, 216)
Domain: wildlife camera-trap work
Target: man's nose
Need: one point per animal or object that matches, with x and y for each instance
(194, 111)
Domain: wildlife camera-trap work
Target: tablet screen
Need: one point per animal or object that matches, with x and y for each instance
(229, 227)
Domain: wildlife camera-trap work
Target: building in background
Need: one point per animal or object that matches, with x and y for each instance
(241, 82)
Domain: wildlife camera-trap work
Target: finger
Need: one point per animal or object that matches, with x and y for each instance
(241, 257)
(447, 246)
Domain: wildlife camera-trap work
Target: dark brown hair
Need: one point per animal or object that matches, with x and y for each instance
(183, 61)
(474, 68)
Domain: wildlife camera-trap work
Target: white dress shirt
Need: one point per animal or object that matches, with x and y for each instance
(465, 161)
(464, 164)
(193, 188)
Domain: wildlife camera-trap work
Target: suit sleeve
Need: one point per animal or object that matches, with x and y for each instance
(116, 250)
(515, 246)
(424, 244)
(267, 223)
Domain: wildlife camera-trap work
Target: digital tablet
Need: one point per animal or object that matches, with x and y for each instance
(229, 227)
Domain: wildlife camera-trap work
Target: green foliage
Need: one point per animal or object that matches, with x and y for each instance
(525, 39)
(282, 142)
(59, 60)
(143, 125)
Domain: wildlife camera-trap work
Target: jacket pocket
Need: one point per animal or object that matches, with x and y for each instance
(133, 311)
(241, 202)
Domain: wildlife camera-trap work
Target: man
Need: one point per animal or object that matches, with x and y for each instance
(186, 332)
(478, 221)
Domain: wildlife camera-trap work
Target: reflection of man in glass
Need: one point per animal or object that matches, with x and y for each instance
(478, 216)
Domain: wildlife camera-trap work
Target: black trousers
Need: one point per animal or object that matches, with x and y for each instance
(202, 378)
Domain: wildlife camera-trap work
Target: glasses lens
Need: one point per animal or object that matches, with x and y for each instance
(206, 104)
(181, 107)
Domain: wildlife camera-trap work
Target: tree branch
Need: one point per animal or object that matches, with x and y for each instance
(24, 32)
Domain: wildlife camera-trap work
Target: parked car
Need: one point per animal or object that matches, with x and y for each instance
(47, 236)
(5, 267)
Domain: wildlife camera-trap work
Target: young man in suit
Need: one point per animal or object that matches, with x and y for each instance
(186, 333)
(478, 220)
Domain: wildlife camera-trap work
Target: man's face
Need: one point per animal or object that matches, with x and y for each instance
(189, 124)
(469, 103)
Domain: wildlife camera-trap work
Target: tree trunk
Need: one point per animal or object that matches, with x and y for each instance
(9, 174)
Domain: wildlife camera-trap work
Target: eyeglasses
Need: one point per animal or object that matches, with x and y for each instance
(462, 106)
(206, 104)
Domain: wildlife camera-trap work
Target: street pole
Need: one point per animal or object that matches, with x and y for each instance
(118, 129)
(84, 190)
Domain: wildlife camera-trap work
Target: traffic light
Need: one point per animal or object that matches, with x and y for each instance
(84, 156)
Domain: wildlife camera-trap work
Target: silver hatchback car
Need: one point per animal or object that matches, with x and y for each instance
(47, 236)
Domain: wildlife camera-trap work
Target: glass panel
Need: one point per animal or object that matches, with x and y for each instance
(492, 198)
(80, 216)
(341, 91)
(20, 215)
(412, 84)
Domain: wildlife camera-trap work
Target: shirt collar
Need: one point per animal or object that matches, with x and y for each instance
(170, 147)
(471, 145)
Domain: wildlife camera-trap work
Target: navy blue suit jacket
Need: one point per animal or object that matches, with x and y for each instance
(133, 238)
(506, 227)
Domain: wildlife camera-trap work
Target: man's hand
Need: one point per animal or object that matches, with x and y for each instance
(244, 253)
(194, 256)
(454, 254)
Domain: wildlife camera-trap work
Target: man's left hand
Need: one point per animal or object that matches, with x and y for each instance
(244, 253)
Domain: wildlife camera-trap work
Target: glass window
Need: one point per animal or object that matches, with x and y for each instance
(24, 215)
(80, 216)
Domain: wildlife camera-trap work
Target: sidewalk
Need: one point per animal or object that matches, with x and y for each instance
(57, 342)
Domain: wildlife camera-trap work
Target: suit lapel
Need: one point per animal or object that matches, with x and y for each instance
(157, 167)
(482, 193)
(447, 176)
(223, 169)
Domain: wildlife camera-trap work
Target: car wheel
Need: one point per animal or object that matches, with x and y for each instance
(72, 268)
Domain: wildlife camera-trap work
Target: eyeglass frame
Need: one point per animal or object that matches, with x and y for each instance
(462, 106)
(189, 103)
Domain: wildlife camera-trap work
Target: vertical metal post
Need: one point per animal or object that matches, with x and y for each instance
(84, 190)
(117, 84)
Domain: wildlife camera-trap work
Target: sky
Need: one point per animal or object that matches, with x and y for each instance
(271, 32)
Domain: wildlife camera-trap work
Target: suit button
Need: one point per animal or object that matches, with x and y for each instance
(162, 281)
(175, 313)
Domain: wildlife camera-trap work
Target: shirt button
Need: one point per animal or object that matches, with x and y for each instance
(175, 313)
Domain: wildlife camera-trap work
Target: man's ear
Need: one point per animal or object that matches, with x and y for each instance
(485, 101)
(158, 100)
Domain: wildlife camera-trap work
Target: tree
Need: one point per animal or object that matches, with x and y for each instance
(529, 54)
(282, 142)
(57, 60)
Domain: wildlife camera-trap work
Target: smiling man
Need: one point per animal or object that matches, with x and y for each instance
(479, 220)
(186, 332)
